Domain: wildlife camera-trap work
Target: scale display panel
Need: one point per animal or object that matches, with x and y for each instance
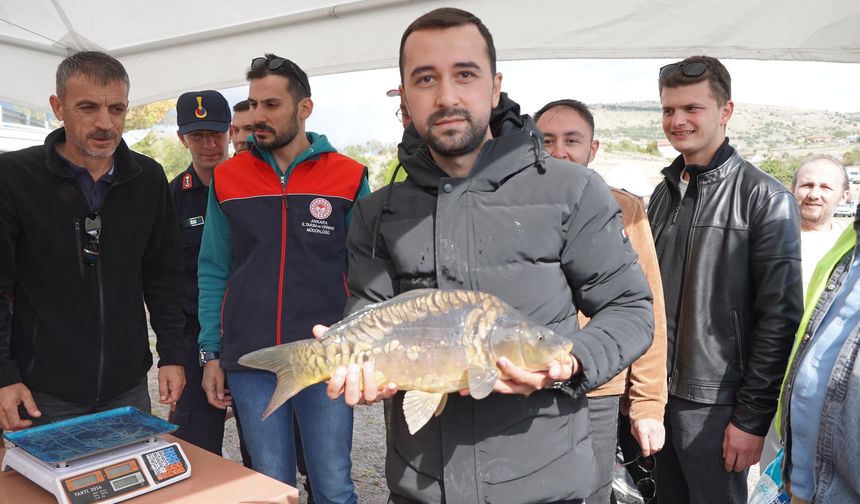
(90, 434)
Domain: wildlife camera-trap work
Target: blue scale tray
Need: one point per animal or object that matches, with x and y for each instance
(87, 435)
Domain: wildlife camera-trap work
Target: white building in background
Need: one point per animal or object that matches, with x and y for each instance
(22, 127)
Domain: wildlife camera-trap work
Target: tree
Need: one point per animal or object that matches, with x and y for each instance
(852, 157)
(167, 150)
(147, 116)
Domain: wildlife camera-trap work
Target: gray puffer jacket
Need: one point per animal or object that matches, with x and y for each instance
(546, 237)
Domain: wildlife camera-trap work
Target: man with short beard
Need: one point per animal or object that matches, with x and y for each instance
(88, 233)
(486, 209)
(276, 233)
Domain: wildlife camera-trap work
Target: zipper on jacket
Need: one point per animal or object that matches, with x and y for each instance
(680, 326)
(80, 246)
(101, 330)
(345, 285)
(676, 212)
(281, 272)
(33, 338)
(470, 242)
(738, 340)
(663, 221)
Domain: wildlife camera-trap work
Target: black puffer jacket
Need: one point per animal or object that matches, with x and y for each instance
(739, 300)
(546, 237)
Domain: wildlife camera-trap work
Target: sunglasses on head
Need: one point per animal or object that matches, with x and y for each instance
(692, 69)
(647, 486)
(274, 64)
(92, 230)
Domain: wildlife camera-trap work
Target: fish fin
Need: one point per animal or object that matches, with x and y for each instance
(441, 406)
(279, 360)
(482, 380)
(419, 406)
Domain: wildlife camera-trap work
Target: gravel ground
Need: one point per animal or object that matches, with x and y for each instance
(368, 448)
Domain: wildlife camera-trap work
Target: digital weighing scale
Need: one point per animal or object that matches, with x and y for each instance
(102, 458)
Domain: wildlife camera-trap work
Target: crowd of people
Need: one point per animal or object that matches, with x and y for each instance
(691, 337)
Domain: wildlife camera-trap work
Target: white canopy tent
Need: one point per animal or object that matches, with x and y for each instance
(169, 46)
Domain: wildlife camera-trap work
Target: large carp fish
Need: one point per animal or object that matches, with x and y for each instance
(428, 342)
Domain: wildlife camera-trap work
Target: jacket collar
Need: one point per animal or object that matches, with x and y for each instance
(190, 179)
(516, 145)
(718, 168)
(124, 167)
(319, 145)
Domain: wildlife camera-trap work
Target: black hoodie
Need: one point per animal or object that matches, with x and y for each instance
(546, 237)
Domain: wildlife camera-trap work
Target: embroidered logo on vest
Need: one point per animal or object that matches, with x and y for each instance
(320, 208)
(186, 181)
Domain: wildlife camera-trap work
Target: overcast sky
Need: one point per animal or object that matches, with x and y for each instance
(353, 108)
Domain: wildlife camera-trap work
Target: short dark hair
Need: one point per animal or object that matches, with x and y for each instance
(101, 68)
(579, 107)
(297, 80)
(449, 17)
(717, 76)
(846, 185)
(242, 106)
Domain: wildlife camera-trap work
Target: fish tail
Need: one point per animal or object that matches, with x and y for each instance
(290, 363)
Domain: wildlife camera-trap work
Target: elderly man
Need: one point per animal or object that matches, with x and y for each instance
(88, 233)
(820, 184)
(819, 415)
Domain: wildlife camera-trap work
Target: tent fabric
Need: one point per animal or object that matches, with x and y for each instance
(169, 46)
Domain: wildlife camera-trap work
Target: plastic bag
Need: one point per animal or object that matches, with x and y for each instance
(769, 488)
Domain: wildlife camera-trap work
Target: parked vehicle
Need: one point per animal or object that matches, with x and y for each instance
(846, 209)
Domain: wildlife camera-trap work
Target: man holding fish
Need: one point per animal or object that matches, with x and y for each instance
(486, 209)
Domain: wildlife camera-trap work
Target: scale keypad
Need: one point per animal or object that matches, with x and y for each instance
(165, 464)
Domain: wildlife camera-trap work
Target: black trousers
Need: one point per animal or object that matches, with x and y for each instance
(690, 468)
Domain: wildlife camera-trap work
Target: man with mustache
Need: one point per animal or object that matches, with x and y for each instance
(485, 208)
(276, 234)
(88, 233)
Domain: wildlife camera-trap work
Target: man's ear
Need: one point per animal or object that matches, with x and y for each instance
(595, 146)
(497, 89)
(56, 106)
(726, 112)
(306, 108)
(182, 139)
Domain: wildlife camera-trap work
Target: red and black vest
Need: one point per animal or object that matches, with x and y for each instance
(289, 256)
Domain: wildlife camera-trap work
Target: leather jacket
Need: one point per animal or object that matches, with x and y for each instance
(741, 297)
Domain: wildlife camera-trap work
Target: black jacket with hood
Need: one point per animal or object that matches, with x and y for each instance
(74, 330)
(546, 237)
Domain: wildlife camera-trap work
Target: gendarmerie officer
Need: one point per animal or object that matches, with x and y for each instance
(203, 118)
